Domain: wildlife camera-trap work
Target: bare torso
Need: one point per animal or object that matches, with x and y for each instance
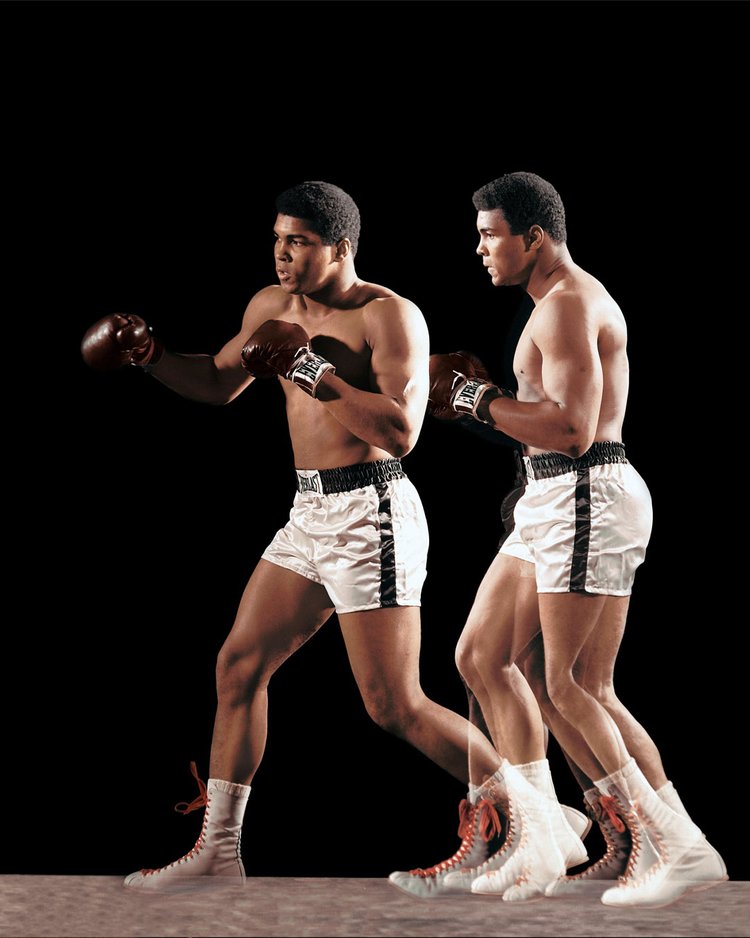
(578, 303)
(343, 337)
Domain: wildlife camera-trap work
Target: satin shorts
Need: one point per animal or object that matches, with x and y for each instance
(359, 531)
(584, 524)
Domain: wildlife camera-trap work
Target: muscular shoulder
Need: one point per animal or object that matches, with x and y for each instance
(392, 311)
(268, 303)
(576, 311)
(271, 299)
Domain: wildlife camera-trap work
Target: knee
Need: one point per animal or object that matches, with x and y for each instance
(239, 673)
(603, 692)
(465, 662)
(563, 693)
(391, 713)
(480, 662)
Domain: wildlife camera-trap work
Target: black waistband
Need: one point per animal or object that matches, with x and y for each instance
(547, 465)
(346, 478)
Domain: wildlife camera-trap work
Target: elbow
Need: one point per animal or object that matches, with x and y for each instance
(575, 442)
(398, 448)
(575, 433)
(400, 443)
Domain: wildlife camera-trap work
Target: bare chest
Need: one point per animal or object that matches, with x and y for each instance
(342, 340)
(527, 367)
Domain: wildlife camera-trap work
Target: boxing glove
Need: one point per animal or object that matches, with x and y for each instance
(283, 348)
(120, 339)
(459, 384)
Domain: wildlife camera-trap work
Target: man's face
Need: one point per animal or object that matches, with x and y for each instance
(303, 263)
(504, 254)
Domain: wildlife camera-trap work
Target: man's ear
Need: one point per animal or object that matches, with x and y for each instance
(534, 238)
(343, 249)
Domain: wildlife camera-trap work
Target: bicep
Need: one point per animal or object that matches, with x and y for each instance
(400, 357)
(572, 369)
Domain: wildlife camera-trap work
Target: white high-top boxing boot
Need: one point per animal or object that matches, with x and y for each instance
(613, 863)
(216, 852)
(460, 880)
(480, 830)
(669, 855)
(533, 860)
(566, 822)
(668, 794)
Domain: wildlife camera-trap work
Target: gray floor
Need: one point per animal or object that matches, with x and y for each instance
(82, 906)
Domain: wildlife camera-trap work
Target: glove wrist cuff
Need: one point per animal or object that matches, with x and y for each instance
(308, 370)
(469, 396)
(151, 356)
(482, 411)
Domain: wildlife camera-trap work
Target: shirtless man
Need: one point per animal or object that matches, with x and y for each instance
(352, 358)
(581, 530)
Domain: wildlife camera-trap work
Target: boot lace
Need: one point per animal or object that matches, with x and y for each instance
(482, 818)
(184, 807)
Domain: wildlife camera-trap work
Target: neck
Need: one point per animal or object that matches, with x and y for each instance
(552, 266)
(334, 295)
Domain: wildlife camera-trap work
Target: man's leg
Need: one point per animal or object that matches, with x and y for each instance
(383, 647)
(279, 611)
(502, 621)
(592, 738)
(612, 863)
(596, 667)
(670, 855)
(385, 664)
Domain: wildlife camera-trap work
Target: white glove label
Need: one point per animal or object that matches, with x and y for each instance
(465, 402)
(306, 374)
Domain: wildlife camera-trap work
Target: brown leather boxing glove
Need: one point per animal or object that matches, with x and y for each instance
(283, 348)
(120, 339)
(459, 383)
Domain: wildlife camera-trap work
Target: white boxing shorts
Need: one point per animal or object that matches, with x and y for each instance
(361, 532)
(584, 523)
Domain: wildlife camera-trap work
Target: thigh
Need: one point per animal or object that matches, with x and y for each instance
(279, 611)
(568, 621)
(383, 647)
(596, 663)
(505, 614)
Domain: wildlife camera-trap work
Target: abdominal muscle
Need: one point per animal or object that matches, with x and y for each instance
(319, 441)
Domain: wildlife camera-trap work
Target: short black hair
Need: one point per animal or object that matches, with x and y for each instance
(331, 212)
(525, 199)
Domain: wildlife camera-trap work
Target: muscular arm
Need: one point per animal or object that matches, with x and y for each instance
(389, 417)
(213, 379)
(566, 336)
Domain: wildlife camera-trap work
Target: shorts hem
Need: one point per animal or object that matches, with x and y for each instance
(591, 591)
(519, 551)
(295, 568)
(370, 606)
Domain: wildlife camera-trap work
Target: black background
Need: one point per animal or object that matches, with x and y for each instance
(148, 144)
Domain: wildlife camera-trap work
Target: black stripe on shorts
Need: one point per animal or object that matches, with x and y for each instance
(580, 560)
(387, 548)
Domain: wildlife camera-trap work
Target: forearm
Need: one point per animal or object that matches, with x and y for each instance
(486, 432)
(541, 424)
(195, 377)
(375, 418)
